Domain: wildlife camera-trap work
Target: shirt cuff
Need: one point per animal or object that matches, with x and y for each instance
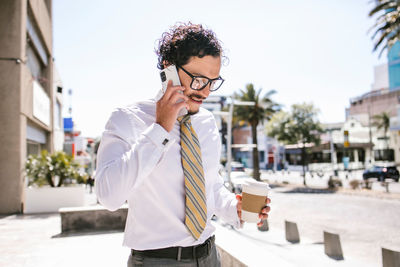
(159, 136)
(235, 221)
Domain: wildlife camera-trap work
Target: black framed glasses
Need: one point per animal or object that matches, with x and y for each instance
(200, 82)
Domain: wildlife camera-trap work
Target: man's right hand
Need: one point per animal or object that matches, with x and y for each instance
(167, 109)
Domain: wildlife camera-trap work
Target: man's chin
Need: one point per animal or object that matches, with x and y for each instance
(193, 111)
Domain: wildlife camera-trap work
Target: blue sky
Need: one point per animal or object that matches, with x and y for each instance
(307, 50)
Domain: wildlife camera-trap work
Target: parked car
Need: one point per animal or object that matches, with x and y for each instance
(382, 173)
(237, 166)
(237, 179)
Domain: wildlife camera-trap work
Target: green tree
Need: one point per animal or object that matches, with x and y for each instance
(262, 110)
(382, 121)
(387, 23)
(300, 126)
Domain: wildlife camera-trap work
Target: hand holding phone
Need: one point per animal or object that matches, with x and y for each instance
(167, 74)
(170, 99)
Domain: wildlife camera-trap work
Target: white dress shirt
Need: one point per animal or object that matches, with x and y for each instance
(139, 162)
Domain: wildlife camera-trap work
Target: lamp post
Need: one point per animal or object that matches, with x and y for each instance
(229, 114)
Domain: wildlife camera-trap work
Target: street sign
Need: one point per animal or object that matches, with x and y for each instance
(346, 139)
(346, 144)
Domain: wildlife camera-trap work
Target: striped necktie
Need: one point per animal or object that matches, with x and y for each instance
(196, 208)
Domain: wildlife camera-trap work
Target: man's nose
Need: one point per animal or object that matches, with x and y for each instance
(206, 91)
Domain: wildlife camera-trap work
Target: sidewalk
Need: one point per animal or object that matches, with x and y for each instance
(34, 240)
(255, 248)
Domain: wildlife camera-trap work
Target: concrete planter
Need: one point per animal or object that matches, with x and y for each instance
(50, 199)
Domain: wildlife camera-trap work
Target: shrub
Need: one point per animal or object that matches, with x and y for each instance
(53, 169)
(354, 184)
(334, 183)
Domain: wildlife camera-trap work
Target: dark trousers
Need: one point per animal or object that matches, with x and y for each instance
(210, 260)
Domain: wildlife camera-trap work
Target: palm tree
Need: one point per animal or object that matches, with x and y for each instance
(262, 110)
(387, 24)
(382, 121)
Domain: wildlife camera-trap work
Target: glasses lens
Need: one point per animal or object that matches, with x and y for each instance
(216, 84)
(199, 83)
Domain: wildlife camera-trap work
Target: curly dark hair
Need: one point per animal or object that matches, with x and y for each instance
(185, 40)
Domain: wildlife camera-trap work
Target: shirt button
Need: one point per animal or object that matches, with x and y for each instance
(165, 141)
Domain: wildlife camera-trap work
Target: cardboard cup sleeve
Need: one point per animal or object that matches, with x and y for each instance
(253, 200)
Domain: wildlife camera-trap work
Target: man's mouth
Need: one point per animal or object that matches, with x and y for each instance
(197, 99)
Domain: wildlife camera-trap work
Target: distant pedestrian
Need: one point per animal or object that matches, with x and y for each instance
(90, 182)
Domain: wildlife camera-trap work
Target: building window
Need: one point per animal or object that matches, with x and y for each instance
(361, 155)
(384, 155)
(57, 116)
(33, 62)
(37, 57)
(34, 38)
(32, 148)
(262, 156)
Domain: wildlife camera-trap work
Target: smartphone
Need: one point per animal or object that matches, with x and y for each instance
(167, 74)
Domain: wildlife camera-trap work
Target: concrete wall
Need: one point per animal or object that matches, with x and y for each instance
(12, 16)
(16, 95)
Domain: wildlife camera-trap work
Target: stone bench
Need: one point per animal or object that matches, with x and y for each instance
(92, 218)
(97, 218)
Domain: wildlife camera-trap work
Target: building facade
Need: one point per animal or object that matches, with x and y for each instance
(271, 152)
(365, 107)
(28, 95)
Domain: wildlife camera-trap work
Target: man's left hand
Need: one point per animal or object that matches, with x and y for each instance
(263, 215)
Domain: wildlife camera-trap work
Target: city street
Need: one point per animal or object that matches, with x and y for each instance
(365, 224)
(295, 178)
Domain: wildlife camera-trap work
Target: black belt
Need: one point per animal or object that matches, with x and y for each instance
(178, 253)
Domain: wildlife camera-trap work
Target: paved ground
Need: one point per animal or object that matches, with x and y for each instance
(365, 224)
(34, 241)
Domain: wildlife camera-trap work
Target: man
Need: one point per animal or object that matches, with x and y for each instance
(166, 166)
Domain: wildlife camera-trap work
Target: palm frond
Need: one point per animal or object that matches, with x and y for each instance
(380, 40)
(381, 29)
(383, 7)
(387, 25)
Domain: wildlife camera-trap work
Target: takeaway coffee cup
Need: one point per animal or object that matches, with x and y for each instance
(253, 200)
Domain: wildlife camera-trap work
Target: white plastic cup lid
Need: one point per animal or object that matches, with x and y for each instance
(255, 188)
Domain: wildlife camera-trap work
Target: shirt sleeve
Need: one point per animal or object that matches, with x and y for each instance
(225, 204)
(123, 158)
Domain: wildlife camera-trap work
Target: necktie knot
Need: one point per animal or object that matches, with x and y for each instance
(184, 119)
